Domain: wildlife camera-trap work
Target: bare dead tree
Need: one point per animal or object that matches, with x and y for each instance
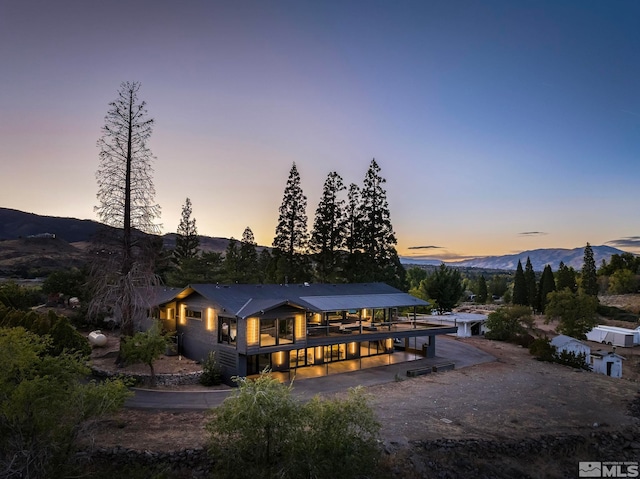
(123, 272)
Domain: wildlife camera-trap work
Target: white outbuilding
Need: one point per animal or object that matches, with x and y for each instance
(570, 345)
(608, 363)
(469, 324)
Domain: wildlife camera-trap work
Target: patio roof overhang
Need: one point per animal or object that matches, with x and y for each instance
(362, 301)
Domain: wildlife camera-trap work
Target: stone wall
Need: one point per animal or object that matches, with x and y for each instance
(180, 379)
(543, 456)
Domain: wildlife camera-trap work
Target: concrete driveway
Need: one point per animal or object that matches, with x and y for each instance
(448, 350)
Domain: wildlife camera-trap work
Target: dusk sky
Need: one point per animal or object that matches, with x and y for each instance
(500, 126)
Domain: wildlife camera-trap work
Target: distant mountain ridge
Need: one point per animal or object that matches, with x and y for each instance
(15, 224)
(539, 258)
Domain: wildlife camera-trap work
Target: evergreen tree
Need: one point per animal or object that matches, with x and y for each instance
(291, 232)
(566, 278)
(248, 258)
(232, 262)
(444, 286)
(520, 287)
(266, 269)
(547, 285)
(187, 240)
(498, 285)
(354, 270)
(483, 292)
(530, 280)
(354, 219)
(619, 262)
(381, 262)
(329, 228)
(415, 275)
(589, 277)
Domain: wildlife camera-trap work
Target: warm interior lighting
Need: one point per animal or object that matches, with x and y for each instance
(211, 317)
(353, 347)
(319, 354)
(183, 314)
(300, 327)
(253, 331)
(389, 344)
(278, 358)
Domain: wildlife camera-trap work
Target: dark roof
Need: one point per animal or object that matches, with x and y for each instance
(245, 300)
(162, 294)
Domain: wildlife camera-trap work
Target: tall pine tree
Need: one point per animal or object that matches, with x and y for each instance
(248, 258)
(530, 280)
(547, 285)
(329, 230)
(381, 262)
(566, 278)
(483, 292)
(520, 295)
(291, 232)
(589, 276)
(231, 264)
(187, 240)
(354, 219)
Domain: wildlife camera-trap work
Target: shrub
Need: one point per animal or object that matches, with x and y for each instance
(145, 347)
(45, 405)
(211, 371)
(542, 349)
(508, 323)
(262, 431)
(578, 361)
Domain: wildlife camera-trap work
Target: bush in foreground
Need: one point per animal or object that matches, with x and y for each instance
(262, 431)
(45, 405)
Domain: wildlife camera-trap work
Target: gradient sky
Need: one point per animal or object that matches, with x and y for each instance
(500, 126)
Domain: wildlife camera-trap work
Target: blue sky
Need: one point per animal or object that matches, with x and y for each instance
(500, 126)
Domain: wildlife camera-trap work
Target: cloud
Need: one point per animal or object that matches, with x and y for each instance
(424, 247)
(628, 242)
(532, 233)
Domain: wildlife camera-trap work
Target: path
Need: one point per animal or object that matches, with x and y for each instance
(448, 350)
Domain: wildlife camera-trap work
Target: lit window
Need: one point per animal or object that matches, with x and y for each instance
(193, 314)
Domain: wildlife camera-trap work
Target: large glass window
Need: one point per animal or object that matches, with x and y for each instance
(227, 330)
(276, 331)
(268, 332)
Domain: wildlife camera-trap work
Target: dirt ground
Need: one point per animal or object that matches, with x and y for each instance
(515, 396)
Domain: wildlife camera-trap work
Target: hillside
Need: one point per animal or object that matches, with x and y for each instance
(31, 257)
(16, 224)
(34, 245)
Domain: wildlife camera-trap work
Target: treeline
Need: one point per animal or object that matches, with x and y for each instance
(351, 240)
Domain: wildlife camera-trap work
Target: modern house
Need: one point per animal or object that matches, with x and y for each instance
(290, 326)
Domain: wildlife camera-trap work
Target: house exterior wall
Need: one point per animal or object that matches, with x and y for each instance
(196, 336)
